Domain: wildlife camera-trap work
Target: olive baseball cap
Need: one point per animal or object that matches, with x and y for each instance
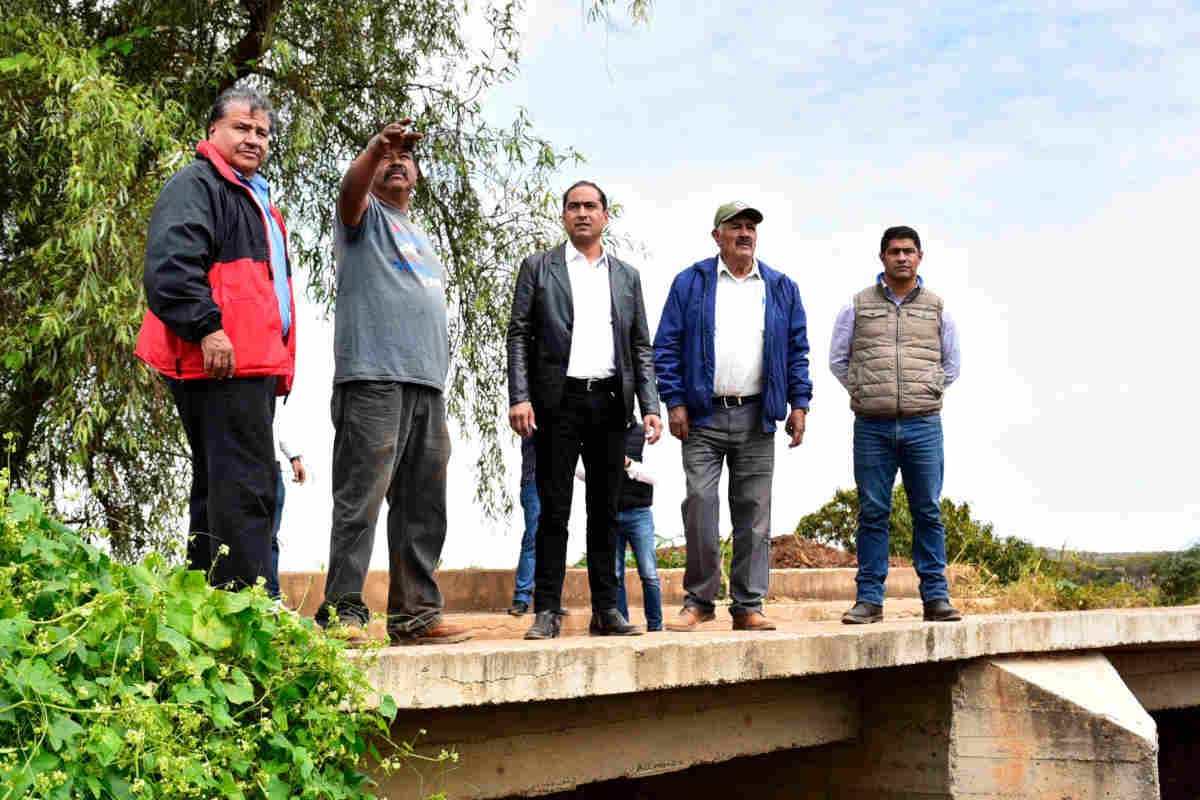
(731, 210)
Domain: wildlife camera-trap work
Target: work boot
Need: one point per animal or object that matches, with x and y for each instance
(610, 623)
(941, 611)
(862, 613)
(546, 625)
(689, 617)
(753, 621)
(442, 633)
(519, 609)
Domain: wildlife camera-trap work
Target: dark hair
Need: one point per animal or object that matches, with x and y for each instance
(577, 184)
(899, 232)
(242, 94)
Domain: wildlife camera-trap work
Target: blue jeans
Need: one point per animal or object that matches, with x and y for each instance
(914, 446)
(273, 578)
(636, 527)
(532, 507)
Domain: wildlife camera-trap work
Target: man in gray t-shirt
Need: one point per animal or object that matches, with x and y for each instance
(391, 355)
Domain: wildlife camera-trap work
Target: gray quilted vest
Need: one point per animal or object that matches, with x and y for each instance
(896, 355)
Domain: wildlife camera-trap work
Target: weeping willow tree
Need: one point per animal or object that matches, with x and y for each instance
(101, 101)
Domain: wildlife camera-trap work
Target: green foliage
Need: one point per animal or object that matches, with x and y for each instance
(99, 102)
(82, 157)
(1178, 576)
(967, 540)
(144, 682)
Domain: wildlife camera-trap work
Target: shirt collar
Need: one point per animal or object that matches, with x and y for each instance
(572, 254)
(887, 290)
(723, 267)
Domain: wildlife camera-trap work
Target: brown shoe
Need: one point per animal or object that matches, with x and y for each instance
(689, 617)
(442, 633)
(754, 621)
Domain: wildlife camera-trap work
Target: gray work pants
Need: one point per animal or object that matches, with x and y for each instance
(390, 439)
(736, 436)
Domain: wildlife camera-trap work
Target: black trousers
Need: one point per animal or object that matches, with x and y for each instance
(590, 424)
(229, 428)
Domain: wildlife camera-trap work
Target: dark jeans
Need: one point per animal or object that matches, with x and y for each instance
(273, 578)
(228, 426)
(590, 424)
(390, 439)
(914, 445)
(532, 507)
(734, 436)
(635, 527)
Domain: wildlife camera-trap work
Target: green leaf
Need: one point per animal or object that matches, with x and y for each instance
(387, 707)
(233, 602)
(106, 744)
(238, 689)
(277, 789)
(62, 730)
(210, 630)
(189, 583)
(176, 640)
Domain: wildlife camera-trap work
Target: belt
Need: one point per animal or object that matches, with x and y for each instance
(592, 384)
(731, 400)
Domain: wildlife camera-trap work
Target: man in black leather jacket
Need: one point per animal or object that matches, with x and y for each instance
(578, 351)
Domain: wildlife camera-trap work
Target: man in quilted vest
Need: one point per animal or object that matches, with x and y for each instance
(895, 349)
(219, 328)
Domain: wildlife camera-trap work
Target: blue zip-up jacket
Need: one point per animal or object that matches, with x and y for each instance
(685, 353)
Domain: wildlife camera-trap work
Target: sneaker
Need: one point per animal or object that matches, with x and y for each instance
(863, 613)
(689, 617)
(753, 621)
(941, 611)
(519, 608)
(443, 632)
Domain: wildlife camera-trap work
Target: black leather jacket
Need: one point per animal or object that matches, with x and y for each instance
(539, 333)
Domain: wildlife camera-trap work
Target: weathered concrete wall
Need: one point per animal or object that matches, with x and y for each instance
(1050, 727)
(491, 589)
(1161, 679)
(535, 748)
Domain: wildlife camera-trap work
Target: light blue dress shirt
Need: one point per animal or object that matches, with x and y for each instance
(262, 193)
(843, 336)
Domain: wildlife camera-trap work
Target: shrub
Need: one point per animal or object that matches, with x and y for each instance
(144, 682)
(1178, 576)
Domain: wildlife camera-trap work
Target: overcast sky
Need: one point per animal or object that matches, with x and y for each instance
(1047, 155)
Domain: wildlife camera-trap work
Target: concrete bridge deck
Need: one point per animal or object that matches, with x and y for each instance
(997, 706)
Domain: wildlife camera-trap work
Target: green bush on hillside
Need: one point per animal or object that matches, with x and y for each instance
(144, 682)
(1178, 576)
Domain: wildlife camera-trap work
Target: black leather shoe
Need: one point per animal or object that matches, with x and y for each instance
(941, 611)
(862, 613)
(611, 623)
(546, 625)
(519, 608)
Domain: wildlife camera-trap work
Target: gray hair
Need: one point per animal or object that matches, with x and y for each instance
(258, 101)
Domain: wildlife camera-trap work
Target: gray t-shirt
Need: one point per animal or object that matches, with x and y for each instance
(390, 313)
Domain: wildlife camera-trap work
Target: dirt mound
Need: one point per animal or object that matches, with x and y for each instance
(791, 552)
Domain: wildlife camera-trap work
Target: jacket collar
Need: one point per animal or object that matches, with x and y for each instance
(204, 149)
(708, 268)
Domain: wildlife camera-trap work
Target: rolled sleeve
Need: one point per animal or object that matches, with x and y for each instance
(839, 347)
(951, 357)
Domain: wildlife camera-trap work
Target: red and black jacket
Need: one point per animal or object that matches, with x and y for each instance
(208, 267)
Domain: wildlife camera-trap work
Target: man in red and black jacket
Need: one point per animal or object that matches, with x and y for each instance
(220, 330)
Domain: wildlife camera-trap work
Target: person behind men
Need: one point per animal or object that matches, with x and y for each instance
(523, 590)
(635, 529)
(219, 328)
(578, 351)
(391, 357)
(299, 474)
(895, 349)
(731, 352)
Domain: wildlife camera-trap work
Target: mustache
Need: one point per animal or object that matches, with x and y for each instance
(399, 169)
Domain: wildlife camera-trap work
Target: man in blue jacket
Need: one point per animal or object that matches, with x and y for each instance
(731, 353)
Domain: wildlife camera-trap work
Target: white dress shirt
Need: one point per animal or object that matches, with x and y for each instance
(592, 353)
(740, 318)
